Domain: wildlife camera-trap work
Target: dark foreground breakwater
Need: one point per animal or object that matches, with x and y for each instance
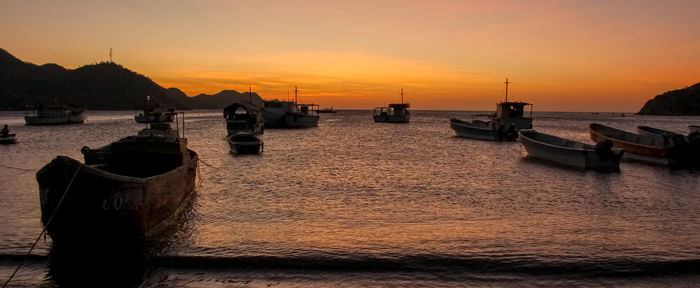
(354, 203)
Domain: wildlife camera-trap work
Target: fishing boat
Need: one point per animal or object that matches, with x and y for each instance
(153, 112)
(675, 151)
(501, 126)
(244, 143)
(393, 113)
(570, 153)
(55, 114)
(290, 114)
(8, 139)
(244, 117)
(123, 192)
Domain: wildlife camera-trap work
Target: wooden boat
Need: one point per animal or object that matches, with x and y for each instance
(693, 128)
(393, 113)
(675, 151)
(123, 192)
(8, 139)
(288, 114)
(245, 143)
(501, 126)
(244, 117)
(55, 114)
(570, 153)
(153, 112)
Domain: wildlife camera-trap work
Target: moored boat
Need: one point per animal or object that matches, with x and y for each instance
(54, 115)
(244, 117)
(8, 139)
(502, 125)
(244, 143)
(153, 112)
(651, 131)
(290, 114)
(675, 151)
(122, 192)
(570, 153)
(393, 113)
(693, 128)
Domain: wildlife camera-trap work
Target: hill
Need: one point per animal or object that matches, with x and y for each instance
(684, 101)
(101, 86)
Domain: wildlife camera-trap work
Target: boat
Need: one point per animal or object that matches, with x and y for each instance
(501, 126)
(675, 151)
(393, 113)
(124, 191)
(8, 139)
(244, 117)
(326, 110)
(244, 143)
(570, 153)
(55, 114)
(153, 112)
(651, 131)
(693, 128)
(290, 114)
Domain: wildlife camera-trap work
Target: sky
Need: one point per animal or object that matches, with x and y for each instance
(566, 55)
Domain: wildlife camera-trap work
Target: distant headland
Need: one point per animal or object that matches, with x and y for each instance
(102, 86)
(684, 101)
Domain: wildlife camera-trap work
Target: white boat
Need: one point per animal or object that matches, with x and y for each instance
(570, 153)
(54, 115)
(288, 114)
(8, 139)
(154, 113)
(502, 126)
(393, 113)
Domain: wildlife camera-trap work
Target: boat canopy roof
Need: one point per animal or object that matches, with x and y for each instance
(247, 106)
(399, 105)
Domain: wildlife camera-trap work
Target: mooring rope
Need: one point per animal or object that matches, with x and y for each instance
(43, 231)
(205, 163)
(21, 169)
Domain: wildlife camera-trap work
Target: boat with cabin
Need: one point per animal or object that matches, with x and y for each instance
(290, 114)
(501, 126)
(122, 192)
(393, 113)
(570, 153)
(676, 151)
(153, 112)
(244, 117)
(55, 115)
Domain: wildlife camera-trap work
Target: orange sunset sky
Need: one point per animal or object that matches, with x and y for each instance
(454, 55)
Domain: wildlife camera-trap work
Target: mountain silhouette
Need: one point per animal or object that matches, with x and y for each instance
(101, 86)
(684, 101)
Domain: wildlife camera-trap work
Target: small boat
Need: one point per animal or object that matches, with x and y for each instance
(54, 115)
(393, 113)
(570, 153)
(123, 192)
(693, 128)
(326, 110)
(153, 113)
(288, 114)
(675, 151)
(8, 139)
(244, 117)
(501, 126)
(244, 143)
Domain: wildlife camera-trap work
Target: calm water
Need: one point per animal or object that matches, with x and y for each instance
(354, 203)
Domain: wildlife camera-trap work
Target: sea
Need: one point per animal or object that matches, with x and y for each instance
(353, 203)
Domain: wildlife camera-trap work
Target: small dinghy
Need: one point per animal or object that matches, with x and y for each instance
(245, 143)
(570, 153)
(9, 139)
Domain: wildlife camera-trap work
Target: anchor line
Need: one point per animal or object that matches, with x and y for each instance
(43, 231)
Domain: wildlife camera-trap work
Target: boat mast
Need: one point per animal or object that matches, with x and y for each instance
(250, 93)
(402, 95)
(296, 97)
(507, 89)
